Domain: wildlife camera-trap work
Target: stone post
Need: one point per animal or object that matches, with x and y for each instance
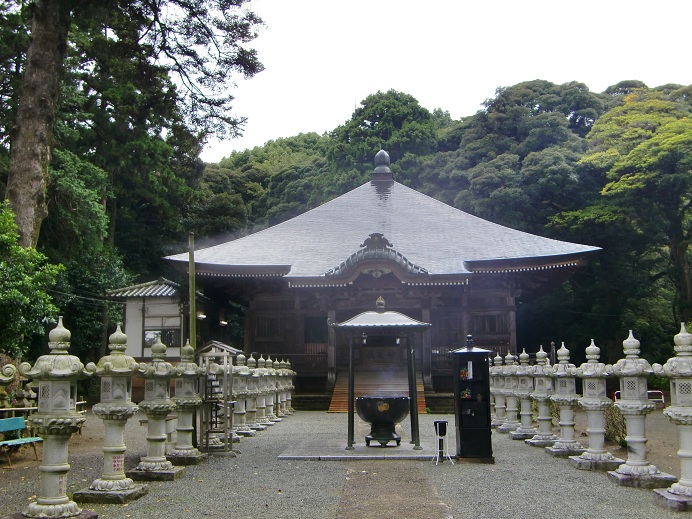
(187, 400)
(497, 389)
(270, 398)
(253, 390)
(566, 397)
(280, 388)
(542, 391)
(595, 402)
(241, 373)
(264, 394)
(511, 385)
(634, 405)
(157, 405)
(115, 409)
(291, 387)
(679, 369)
(524, 374)
(56, 420)
(8, 375)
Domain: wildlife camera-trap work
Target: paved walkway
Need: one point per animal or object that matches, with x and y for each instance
(264, 480)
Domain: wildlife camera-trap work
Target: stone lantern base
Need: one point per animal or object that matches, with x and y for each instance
(675, 502)
(117, 497)
(599, 462)
(541, 440)
(84, 514)
(656, 480)
(193, 457)
(523, 433)
(565, 449)
(169, 474)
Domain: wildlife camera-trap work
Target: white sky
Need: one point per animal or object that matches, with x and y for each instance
(322, 57)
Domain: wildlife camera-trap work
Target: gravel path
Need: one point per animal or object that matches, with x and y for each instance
(524, 481)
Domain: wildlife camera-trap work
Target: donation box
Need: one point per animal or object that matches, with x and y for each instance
(472, 403)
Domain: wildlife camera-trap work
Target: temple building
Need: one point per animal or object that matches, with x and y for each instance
(426, 259)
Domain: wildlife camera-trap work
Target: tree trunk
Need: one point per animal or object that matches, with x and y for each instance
(679, 246)
(30, 152)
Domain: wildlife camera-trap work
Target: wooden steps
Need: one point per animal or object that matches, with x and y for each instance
(374, 383)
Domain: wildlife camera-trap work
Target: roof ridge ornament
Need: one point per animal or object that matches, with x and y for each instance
(376, 248)
(382, 171)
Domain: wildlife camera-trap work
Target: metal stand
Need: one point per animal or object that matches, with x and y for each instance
(440, 443)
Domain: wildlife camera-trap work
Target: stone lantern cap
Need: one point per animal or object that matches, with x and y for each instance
(59, 364)
(158, 367)
(679, 366)
(563, 368)
(187, 367)
(632, 365)
(592, 368)
(117, 363)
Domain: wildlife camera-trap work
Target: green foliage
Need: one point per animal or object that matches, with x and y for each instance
(26, 278)
(393, 121)
(615, 426)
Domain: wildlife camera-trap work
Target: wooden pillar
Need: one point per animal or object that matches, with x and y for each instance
(426, 353)
(412, 391)
(351, 394)
(331, 351)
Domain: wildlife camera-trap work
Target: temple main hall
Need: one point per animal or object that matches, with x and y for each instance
(430, 261)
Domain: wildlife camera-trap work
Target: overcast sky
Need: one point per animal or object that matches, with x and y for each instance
(322, 57)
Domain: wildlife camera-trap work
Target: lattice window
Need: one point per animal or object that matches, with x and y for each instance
(105, 388)
(684, 388)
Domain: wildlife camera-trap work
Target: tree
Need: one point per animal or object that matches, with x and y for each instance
(27, 277)
(391, 120)
(652, 185)
(640, 158)
(199, 42)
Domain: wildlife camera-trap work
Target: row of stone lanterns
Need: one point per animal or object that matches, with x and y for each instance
(557, 384)
(57, 417)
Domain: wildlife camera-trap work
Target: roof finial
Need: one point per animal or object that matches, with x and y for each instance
(382, 171)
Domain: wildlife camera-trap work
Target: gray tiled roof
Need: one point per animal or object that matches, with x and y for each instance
(161, 287)
(374, 319)
(429, 234)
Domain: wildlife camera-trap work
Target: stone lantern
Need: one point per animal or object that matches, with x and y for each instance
(270, 399)
(679, 369)
(8, 375)
(542, 391)
(253, 391)
(187, 399)
(115, 409)
(157, 405)
(524, 375)
(263, 393)
(510, 387)
(280, 388)
(241, 373)
(595, 402)
(56, 420)
(497, 390)
(634, 404)
(290, 374)
(566, 397)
